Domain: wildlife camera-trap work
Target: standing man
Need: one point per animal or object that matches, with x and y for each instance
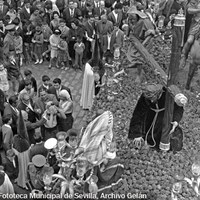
(9, 45)
(192, 8)
(116, 15)
(57, 87)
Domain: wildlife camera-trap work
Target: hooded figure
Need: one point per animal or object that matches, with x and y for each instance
(6, 186)
(21, 148)
(88, 87)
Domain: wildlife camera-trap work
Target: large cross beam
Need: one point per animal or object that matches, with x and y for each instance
(151, 62)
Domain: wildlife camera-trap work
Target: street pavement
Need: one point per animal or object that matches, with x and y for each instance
(70, 78)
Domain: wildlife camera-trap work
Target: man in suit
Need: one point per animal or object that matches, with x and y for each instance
(38, 147)
(25, 13)
(118, 36)
(3, 10)
(26, 104)
(103, 26)
(82, 7)
(7, 133)
(32, 126)
(101, 9)
(11, 110)
(11, 165)
(46, 84)
(107, 46)
(89, 28)
(116, 15)
(43, 99)
(57, 87)
(70, 13)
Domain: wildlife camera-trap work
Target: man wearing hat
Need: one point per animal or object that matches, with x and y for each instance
(9, 45)
(147, 119)
(36, 170)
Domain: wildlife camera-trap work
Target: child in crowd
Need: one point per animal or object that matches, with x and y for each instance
(63, 54)
(63, 28)
(54, 42)
(18, 48)
(47, 32)
(38, 40)
(79, 48)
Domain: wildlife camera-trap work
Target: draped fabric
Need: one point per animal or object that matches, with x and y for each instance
(97, 137)
(87, 93)
(23, 160)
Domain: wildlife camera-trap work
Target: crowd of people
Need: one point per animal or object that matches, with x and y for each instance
(68, 34)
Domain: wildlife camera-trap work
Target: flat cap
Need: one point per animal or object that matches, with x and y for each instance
(39, 160)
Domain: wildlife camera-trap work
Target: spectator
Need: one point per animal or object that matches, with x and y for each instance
(70, 13)
(28, 89)
(64, 29)
(57, 87)
(79, 48)
(45, 85)
(63, 54)
(54, 24)
(28, 76)
(47, 32)
(4, 84)
(9, 44)
(7, 133)
(116, 15)
(66, 105)
(54, 41)
(11, 165)
(11, 110)
(38, 40)
(30, 126)
(26, 104)
(18, 48)
(3, 9)
(42, 101)
(38, 147)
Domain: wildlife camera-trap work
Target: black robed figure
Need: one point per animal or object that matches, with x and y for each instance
(147, 120)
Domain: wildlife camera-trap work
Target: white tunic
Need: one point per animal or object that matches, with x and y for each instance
(87, 94)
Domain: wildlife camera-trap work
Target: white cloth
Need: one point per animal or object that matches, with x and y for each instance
(87, 93)
(109, 39)
(6, 187)
(115, 15)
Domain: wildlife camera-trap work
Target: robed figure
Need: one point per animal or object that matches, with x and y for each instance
(147, 120)
(88, 87)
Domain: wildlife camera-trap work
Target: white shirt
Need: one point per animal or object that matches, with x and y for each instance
(15, 109)
(7, 125)
(28, 10)
(115, 15)
(96, 4)
(71, 12)
(109, 39)
(46, 86)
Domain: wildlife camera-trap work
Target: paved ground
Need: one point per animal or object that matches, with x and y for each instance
(70, 78)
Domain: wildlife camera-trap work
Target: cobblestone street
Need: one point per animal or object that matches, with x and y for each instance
(70, 78)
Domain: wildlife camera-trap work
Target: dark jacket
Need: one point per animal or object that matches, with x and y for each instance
(52, 90)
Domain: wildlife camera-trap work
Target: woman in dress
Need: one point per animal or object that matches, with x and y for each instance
(54, 24)
(66, 105)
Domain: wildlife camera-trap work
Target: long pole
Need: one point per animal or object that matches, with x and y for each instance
(172, 74)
